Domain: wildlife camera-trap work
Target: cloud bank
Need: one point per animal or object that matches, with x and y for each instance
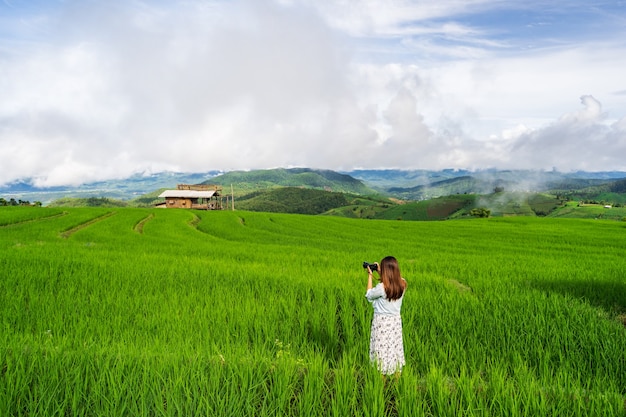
(97, 90)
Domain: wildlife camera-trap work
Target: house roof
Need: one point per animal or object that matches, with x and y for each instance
(186, 194)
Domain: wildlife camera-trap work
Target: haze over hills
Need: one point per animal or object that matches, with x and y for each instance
(531, 180)
(406, 185)
(122, 189)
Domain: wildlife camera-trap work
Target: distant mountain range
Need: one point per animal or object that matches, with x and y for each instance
(401, 184)
(122, 189)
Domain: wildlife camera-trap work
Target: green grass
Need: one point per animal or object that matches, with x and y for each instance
(20, 214)
(294, 200)
(576, 210)
(251, 181)
(151, 312)
(434, 209)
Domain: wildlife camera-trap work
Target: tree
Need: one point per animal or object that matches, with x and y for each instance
(480, 212)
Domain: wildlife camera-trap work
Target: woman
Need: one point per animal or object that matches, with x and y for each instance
(386, 347)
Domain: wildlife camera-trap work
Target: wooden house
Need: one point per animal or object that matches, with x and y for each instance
(199, 197)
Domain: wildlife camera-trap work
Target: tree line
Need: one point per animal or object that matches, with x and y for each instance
(19, 202)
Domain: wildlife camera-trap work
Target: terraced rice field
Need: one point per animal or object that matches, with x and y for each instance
(118, 312)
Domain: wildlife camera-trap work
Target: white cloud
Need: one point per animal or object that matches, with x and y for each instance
(577, 140)
(115, 88)
(388, 17)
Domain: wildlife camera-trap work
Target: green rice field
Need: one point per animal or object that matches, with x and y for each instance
(153, 312)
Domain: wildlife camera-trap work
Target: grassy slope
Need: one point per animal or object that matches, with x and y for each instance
(88, 202)
(332, 193)
(249, 181)
(590, 211)
(435, 209)
(313, 201)
(612, 192)
(445, 187)
(454, 204)
(293, 200)
(240, 313)
(305, 201)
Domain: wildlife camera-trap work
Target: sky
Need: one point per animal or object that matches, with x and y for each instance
(92, 90)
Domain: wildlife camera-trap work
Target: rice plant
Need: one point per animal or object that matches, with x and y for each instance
(177, 313)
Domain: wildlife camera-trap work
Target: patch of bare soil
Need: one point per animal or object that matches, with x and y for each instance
(139, 226)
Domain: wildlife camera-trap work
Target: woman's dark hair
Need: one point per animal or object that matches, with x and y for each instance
(391, 278)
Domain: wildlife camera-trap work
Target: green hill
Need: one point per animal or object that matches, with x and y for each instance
(292, 200)
(613, 192)
(572, 184)
(88, 202)
(310, 191)
(147, 200)
(435, 209)
(244, 182)
(459, 185)
(576, 210)
(309, 201)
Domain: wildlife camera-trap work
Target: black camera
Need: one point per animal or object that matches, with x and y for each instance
(373, 267)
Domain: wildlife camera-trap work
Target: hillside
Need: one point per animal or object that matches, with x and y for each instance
(309, 201)
(383, 179)
(520, 180)
(613, 192)
(359, 194)
(120, 189)
(88, 202)
(248, 181)
(460, 185)
(292, 200)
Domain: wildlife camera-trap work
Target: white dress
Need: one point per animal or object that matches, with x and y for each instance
(386, 344)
